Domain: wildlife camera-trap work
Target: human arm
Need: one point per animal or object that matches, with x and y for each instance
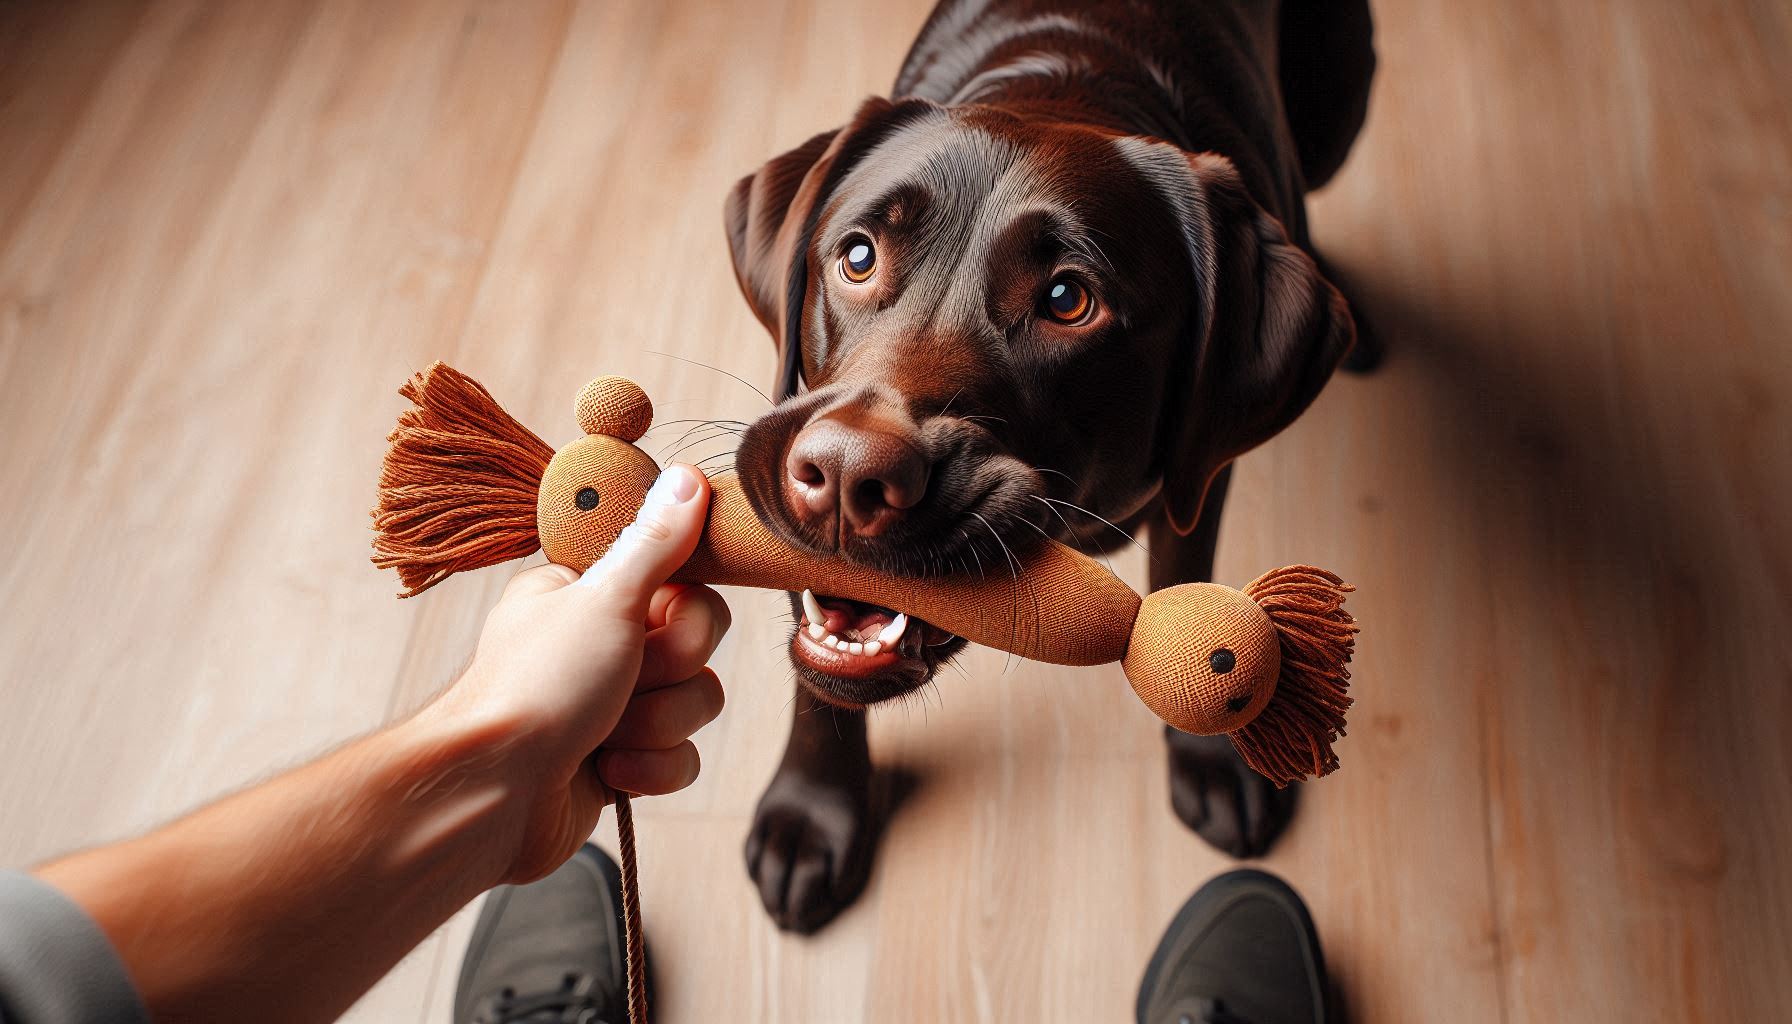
(288, 900)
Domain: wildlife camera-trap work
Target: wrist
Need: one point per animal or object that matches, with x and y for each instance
(469, 778)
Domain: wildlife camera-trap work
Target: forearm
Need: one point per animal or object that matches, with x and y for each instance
(287, 901)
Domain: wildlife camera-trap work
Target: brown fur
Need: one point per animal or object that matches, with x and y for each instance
(1161, 151)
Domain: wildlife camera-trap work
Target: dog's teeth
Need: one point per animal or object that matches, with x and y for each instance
(817, 631)
(893, 632)
(856, 648)
(874, 647)
(812, 607)
(831, 640)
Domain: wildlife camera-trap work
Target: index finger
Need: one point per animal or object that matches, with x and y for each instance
(695, 619)
(661, 601)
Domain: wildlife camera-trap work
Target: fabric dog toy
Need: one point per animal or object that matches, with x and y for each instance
(465, 485)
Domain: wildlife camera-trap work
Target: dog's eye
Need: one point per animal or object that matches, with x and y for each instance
(1067, 301)
(859, 262)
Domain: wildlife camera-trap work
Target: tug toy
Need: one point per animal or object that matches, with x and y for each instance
(465, 485)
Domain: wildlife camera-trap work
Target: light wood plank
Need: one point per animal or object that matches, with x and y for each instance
(228, 231)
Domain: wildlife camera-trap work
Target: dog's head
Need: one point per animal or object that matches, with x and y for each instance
(991, 328)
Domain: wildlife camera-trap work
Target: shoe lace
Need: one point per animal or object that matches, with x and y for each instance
(1212, 1011)
(576, 1001)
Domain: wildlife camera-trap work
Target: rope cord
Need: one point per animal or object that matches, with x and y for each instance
(631, 912)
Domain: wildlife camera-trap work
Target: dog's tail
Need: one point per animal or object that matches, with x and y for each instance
(1326, 59)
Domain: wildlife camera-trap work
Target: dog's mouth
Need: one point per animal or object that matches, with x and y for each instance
(853, 653)
(972, 519)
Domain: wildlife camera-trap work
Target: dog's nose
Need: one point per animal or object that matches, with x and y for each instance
(864, 474)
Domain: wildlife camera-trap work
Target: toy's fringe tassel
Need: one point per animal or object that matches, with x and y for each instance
(1291, 739)
(459, 484)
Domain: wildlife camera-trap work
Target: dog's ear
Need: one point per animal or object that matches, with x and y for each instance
(758, 209)
(771, 214)
(1266, 329)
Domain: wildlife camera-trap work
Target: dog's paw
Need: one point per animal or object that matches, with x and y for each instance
(1215, 793)
(809, 850)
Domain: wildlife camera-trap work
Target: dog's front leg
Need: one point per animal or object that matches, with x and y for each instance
(1211, 788)
(814, 832)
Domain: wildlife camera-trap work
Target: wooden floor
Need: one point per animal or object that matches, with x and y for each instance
(229, 230)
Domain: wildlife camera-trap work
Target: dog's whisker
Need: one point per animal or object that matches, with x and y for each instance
(1015, 574)
(713, 472)
(1088, 250)
(715, 430)
(1091, 249)
(1031, 526)
(948, 406)
(729, 454)
(972, 548)
(1068, 532)
(663, 424)
(1078, 508)
(718, 369)
(681, 449)
(1013, 565)
(1067, 477)
(1074, 538)
(1048, 537)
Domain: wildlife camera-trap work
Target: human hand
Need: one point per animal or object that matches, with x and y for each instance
(594, 683)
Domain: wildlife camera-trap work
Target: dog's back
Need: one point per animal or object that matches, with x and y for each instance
(1280, 89)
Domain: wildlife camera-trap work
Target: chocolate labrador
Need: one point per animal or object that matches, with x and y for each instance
(1053, 287)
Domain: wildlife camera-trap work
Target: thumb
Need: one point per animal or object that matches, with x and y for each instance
(650, 549)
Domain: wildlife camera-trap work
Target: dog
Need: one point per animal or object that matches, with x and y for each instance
(1054, 286)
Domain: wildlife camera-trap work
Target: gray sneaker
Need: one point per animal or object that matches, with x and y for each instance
(1242, 950)
(550, 952)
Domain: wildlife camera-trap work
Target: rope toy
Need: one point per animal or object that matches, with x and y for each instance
(464, 485)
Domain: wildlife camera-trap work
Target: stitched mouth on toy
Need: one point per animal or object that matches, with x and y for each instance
(851, 653)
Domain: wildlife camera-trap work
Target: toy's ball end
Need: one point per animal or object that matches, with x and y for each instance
(591, 490)
(1203, 657)
(614, 406)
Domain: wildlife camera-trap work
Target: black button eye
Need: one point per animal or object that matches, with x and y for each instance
(860, 260)
(586, 499)
(1237, 704)
(1221, 661)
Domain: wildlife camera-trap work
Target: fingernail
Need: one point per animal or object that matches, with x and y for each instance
(675, 486)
